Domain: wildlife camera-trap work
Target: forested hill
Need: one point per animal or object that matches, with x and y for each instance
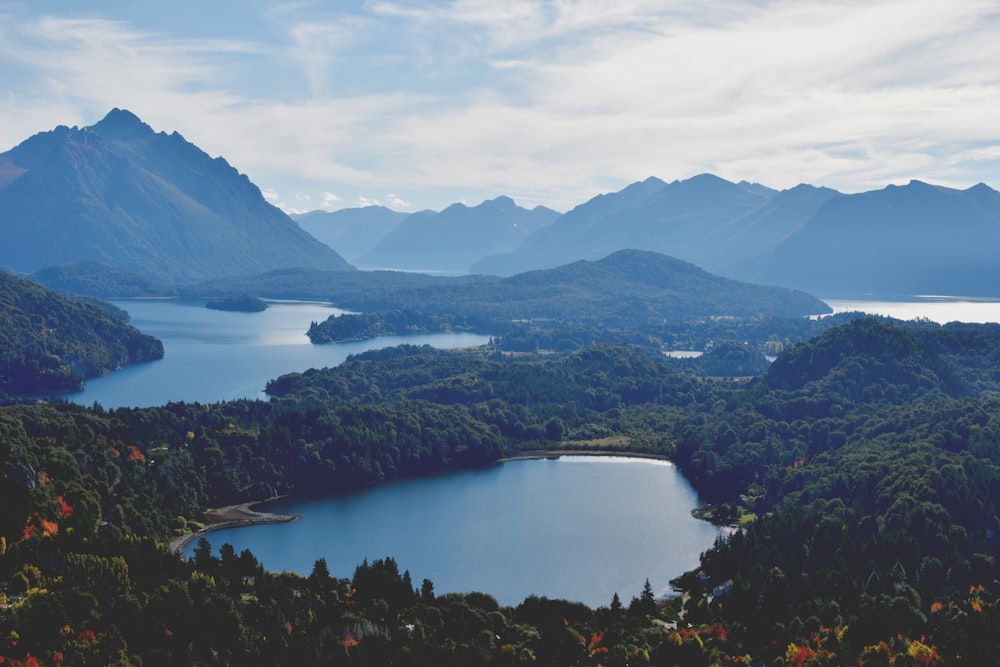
(50, 343)
(868, 520)
(869, 357)
(629, 288)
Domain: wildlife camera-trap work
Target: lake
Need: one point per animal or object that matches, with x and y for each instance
(940, 309)
(580, 528)
(216, 355)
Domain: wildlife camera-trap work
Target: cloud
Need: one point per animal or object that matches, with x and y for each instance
(396, 202)
(550, 102)
(367, 201)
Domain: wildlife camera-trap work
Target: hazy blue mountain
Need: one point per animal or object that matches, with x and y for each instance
(734, 248)
(677, 219)
(542, 249)
(351, 231)
(450, 241)
(911, 239)
(123, 195)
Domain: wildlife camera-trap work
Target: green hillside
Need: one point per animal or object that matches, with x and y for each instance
(50, 343)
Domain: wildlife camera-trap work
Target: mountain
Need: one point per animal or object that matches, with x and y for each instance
(911, 239)
(50, 343)
(351, 231)
(123, 195)
(736, 247)
(450, 241)
(678, 219)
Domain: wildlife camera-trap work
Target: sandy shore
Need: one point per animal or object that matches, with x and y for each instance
(231, 516)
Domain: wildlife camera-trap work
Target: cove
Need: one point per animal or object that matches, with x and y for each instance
(215, 355)
(580, 528)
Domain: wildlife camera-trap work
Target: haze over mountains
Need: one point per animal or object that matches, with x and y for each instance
(901, 240)
(123, 195)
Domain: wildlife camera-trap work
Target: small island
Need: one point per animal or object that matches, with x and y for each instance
(244, 303)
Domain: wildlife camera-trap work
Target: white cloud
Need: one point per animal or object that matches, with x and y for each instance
(367, 201)
(396, 202)
(270, 195)
(550, 102)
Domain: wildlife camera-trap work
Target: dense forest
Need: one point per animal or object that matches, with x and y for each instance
(861, 470)
(51, 343)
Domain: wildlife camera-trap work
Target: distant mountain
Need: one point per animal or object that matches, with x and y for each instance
(450, 241)
(736, 247)
(621, 289)
(123, 195)
(678, 219)
(901, 240)
(51, 343)
(351, 231)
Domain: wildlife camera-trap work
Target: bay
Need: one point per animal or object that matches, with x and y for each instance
(576, 527)
(215, 355)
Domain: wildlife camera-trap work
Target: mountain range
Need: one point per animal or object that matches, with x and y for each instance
(120, 194)
(352, 231)
(449, 241)
(901, 240)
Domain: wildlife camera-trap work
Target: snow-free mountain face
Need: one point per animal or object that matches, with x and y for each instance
(351, 231)
(676, 219)
(901, 240)
(450, 241)
(123, 195)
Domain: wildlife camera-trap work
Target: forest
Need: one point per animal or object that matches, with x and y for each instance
(51, 343)
(860, 471)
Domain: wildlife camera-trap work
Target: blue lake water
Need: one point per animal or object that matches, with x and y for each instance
(576, 528)
(579, 528)
(214, 355)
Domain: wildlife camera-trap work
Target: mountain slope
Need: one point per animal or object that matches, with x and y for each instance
(351, 231)
(120, 194)
(676, 219)
(49, 342)
(457, 236)
(912, 239)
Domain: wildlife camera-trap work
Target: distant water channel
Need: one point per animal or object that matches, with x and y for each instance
(214, 355)
(940, 309)
(579, 528)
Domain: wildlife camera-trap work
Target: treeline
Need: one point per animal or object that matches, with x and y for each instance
(863, 471)
(51, 343)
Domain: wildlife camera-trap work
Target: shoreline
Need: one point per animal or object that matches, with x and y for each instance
(531, 454)
(231, 516)
(244, 514)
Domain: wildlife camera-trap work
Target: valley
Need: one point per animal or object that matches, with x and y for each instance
(848, 463)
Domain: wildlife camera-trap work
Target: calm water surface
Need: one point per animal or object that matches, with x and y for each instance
(214, 355)
(579, 528)
(937, 309)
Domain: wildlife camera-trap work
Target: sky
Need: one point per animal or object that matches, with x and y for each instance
(416, 104)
